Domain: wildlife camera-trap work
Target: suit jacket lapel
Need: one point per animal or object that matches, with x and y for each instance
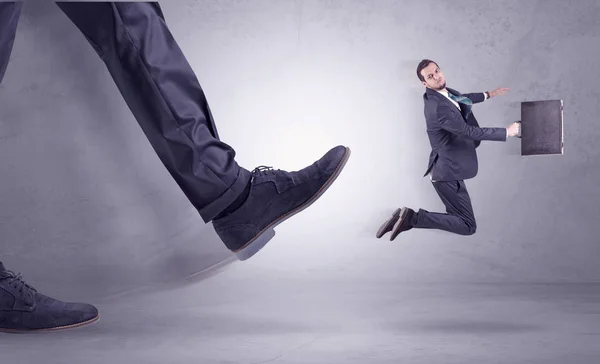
(439, 96)
(434, 93)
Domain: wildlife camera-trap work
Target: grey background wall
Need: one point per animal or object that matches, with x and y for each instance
(85, 201)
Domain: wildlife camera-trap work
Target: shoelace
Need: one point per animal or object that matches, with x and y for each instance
(16, 281)
(261, 169)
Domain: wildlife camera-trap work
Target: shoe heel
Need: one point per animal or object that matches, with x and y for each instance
(396, 228)
(254, 247)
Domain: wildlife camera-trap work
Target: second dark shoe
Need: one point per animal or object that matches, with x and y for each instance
(404, 223)
(23, 309)
(388, 225)
(274, 197)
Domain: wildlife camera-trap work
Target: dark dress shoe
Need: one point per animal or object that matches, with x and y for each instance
(388, 225)
(404, 223)
(23, 309)
(275, 196)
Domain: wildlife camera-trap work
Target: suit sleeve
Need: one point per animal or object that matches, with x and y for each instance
(452, 121)
(476, 97)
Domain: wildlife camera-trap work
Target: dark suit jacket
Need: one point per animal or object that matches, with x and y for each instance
(454, 134)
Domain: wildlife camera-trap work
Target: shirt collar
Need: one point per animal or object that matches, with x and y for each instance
(445, 93)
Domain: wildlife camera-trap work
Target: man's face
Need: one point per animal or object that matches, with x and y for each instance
(434, 78)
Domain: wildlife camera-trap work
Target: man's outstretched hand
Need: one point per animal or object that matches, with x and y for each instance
(499, 92)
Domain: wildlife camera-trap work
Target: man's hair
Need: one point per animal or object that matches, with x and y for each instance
(424, 63)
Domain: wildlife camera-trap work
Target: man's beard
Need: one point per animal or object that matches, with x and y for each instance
(441, 87)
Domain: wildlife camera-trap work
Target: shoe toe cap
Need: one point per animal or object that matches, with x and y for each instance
(54, 313)
(331, 160)
(86, 311)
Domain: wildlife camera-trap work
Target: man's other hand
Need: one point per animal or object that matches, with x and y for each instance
(513, 129)
(499, 92)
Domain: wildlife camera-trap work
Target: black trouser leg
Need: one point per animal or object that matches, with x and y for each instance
(459, 218)
(164, 94)
(10, 13)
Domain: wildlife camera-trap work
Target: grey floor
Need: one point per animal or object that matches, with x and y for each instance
(240, 317)
(88, 212)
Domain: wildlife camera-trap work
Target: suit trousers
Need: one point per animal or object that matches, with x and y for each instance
(161, 90)
(459, 217)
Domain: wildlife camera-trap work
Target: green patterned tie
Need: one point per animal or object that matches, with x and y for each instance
(462, 99)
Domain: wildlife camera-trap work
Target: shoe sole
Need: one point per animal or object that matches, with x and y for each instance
(388, 225)
(59, 328)
(265, 235)
(401, 218)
